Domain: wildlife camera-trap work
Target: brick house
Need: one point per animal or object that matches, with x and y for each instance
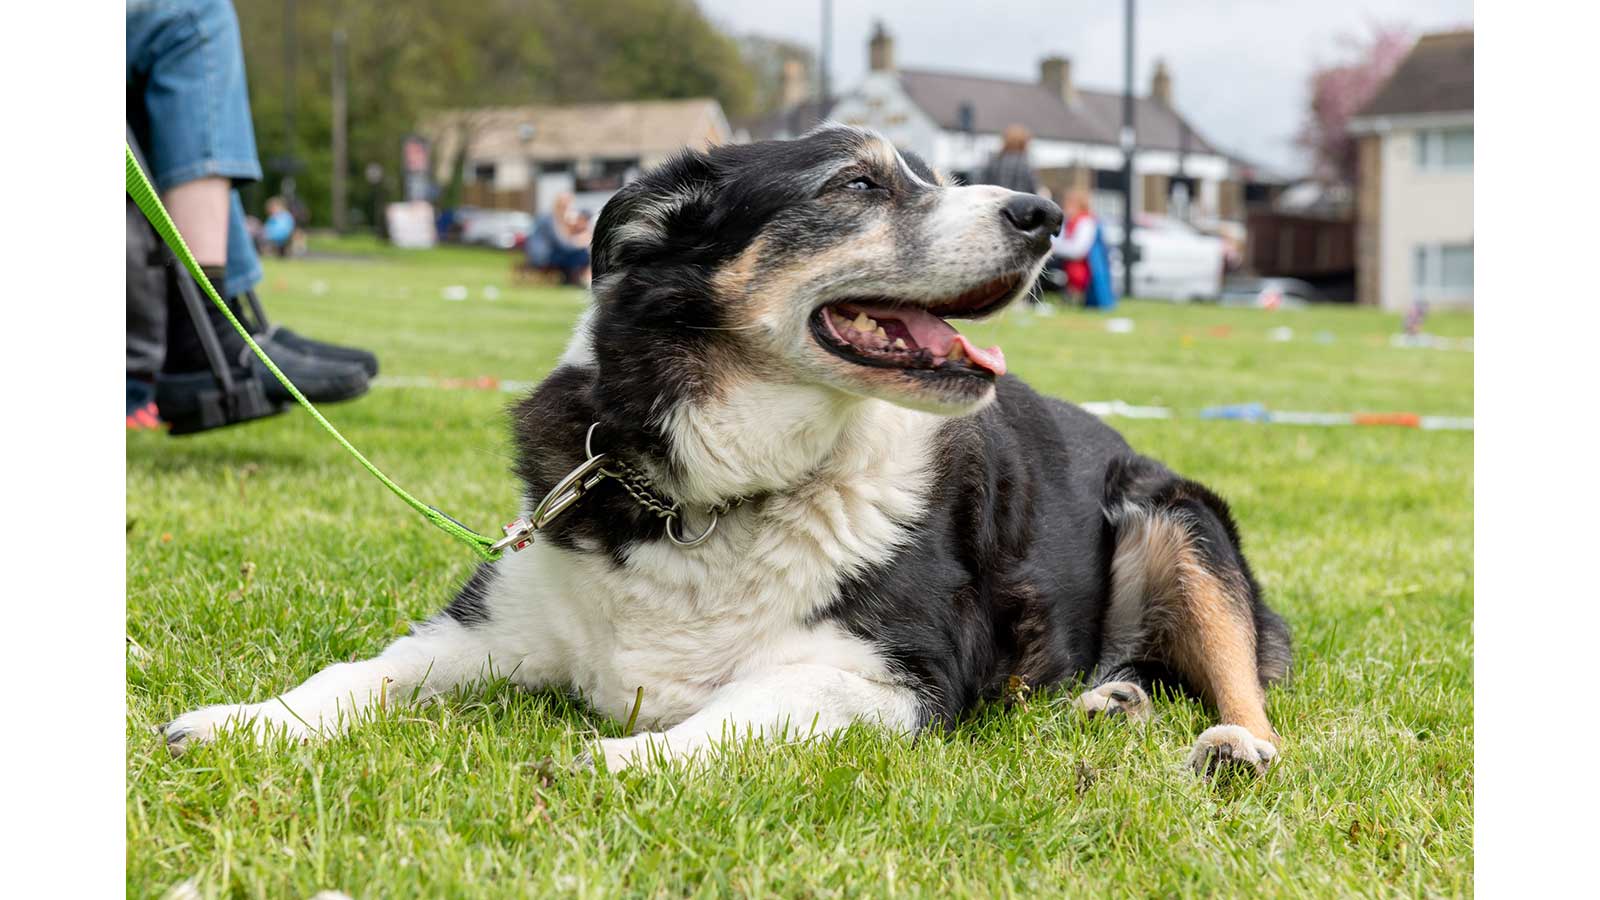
(1414, 188)
(589, 148)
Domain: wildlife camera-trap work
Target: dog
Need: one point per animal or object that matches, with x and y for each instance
(777, 493)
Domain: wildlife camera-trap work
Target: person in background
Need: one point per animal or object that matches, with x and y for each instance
(559, 242)
(573, 233)
(1010, 168)
(280, 227)
(1081, 243)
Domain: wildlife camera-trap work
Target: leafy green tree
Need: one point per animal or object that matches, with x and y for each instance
(408, 58)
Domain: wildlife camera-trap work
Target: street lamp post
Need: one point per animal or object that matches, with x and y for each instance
(824, 76)
(1130, 142)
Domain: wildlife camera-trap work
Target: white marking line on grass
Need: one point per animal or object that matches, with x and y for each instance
(1105, 409)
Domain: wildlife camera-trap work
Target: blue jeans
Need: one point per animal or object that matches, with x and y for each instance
(190, 109)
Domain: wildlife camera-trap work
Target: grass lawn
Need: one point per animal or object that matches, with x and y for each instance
(259, 554)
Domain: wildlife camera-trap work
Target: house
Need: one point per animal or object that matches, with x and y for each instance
(1414, 187)
(955, 120)
(520, 157)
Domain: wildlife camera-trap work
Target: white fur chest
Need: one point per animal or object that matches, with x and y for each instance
(682, 623)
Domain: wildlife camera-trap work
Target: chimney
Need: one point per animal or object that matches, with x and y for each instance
(1055, 76)
(796, 84)
(1161, 85)
(880, 54)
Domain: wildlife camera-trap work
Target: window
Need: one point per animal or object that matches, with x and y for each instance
(1181, 191)
(1440, 149)
(483, 173)
(966, 116)
(1442, 271)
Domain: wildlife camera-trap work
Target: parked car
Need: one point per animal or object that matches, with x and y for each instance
(501, 228)
(451, 221)
(1269, 293)
(1173, 261)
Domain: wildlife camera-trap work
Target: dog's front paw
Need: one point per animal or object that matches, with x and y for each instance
(1222, 747)
(204, 725)
(641, 751)
(1115, 698)
(620, 753)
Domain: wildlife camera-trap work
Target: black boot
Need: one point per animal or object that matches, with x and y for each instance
(203, 387)
(299, 343)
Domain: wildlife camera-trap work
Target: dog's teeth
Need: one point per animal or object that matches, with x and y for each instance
(862, 323)
(882, 335)
(899, 343)
(957, 352)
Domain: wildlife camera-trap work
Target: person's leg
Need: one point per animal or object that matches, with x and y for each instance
(186, 69)
(190, 108)
(244, 266)
(200, 209)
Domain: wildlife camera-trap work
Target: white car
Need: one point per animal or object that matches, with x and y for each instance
(1174, 262)
(502, 228)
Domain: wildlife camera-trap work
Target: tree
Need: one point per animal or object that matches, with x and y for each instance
(768, 59)
(409, 59)
(1340, 90)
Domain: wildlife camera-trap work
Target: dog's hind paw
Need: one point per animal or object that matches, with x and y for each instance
(1224, 747)
(1115, 698)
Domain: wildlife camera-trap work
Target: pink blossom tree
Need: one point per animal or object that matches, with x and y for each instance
(1339, 90)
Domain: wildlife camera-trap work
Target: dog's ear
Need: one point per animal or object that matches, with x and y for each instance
(642, 220)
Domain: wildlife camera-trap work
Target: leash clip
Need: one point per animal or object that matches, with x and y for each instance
(569, 490)
(519, 534)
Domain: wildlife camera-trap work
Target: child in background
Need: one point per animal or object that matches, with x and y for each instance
(1088, 265)
(280, 226)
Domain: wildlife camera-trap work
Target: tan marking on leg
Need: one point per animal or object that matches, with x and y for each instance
(1163, 596)
(1217, 647)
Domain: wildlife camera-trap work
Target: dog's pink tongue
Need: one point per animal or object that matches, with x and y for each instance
(990, 358)
(937, 336)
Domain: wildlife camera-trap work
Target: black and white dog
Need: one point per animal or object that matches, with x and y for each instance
(898, 530)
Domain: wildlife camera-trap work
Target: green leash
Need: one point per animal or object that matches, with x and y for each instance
(144, 195)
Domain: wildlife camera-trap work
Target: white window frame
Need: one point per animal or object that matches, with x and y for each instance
(1427, 273)
(1429, 156)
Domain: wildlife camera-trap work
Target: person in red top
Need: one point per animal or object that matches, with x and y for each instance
(1088, 265)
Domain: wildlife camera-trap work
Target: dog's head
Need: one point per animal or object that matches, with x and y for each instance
(831, 260)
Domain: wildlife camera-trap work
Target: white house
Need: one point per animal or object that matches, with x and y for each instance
(1414, 194)
(954, 121)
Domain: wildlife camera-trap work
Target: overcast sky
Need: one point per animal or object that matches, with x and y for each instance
(1239, 67)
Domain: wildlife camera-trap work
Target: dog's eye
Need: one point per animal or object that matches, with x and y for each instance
(861, 184)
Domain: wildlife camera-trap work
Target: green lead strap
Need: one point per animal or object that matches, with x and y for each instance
(144, 195)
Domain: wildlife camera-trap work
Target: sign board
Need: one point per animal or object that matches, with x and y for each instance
(411, 225)
(418, 179)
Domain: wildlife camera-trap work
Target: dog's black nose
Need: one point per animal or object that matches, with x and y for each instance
(1035, 217)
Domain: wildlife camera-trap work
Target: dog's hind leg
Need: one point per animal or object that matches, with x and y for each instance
(1183, 599)
(448, 651)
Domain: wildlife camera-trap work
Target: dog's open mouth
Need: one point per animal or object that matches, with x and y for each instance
(902, 335)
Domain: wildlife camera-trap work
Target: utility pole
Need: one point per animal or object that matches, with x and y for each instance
(1130, 143)
(289, 143)
(341, 148)
(824, 77)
